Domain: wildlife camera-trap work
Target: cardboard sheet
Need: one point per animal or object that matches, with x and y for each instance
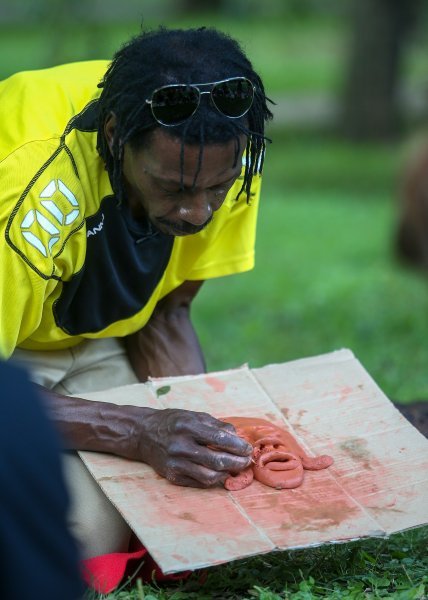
(378, 484)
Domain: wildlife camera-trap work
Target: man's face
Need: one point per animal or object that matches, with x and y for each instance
(173, 201)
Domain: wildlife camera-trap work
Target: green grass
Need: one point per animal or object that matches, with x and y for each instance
(395, 568)
(326, 276)
(325, 279)
(295, 55)
(286, 61)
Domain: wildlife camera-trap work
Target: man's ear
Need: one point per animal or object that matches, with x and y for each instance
(110, 130)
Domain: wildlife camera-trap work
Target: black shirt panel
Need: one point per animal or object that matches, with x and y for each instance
(125, 260)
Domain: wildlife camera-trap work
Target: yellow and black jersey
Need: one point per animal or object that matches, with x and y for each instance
(74, 264)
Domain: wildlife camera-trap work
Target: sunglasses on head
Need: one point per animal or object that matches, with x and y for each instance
(175, 103)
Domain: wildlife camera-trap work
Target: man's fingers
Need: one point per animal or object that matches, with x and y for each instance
(224, 439)
(184, 472)
(195, 449)
(208, 431)
(227, 426)
(215, 459)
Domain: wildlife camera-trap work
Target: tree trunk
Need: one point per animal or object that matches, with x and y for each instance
(370, 108)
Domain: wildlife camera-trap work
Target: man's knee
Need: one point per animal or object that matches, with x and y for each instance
(97, 525)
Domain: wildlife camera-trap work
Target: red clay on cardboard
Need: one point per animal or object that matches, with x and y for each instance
(278, 460)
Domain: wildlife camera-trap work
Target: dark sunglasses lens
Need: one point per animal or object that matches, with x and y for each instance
(233, 98)
(174, 104)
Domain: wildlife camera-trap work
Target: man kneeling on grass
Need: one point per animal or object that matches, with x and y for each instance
(123, 187)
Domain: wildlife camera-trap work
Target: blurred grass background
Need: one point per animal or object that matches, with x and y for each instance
(326, 276)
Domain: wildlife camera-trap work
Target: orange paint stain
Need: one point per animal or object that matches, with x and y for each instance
(216, 384)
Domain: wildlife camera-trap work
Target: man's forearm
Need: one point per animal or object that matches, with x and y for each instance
(96, 426)
(168, 344)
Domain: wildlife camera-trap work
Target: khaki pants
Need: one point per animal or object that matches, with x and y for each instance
(91, 366)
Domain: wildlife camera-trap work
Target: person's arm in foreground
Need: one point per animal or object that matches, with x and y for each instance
(178, 444)
(39, 555)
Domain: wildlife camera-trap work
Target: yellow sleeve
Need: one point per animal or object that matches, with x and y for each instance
(22, 295)
(39, 220)
(37, 105)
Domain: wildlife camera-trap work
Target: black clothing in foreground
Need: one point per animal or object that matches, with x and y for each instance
(38, 556)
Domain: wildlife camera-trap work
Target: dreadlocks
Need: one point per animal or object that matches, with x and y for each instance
(164, 56)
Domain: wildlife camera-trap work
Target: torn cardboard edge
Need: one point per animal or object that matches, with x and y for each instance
(377, 486)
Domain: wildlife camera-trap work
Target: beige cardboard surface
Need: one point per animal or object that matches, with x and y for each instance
(378, 484)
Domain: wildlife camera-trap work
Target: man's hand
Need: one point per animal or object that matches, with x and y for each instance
(191, 448)
(188, 448)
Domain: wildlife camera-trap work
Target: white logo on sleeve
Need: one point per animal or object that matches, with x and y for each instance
(43, 232)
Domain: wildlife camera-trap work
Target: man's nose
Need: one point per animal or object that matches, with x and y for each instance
(196, 208)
